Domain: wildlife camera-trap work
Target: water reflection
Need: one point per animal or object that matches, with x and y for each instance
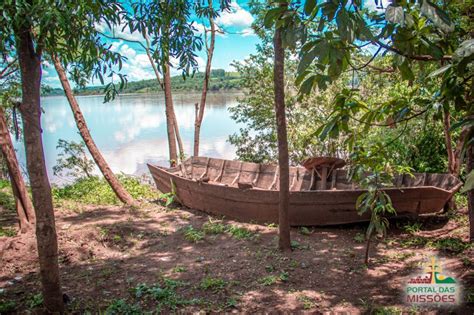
(131, 130)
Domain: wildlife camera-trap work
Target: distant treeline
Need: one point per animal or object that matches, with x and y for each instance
(220, 81)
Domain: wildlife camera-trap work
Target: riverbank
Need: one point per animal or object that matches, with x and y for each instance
(176, 259)
(221, 81)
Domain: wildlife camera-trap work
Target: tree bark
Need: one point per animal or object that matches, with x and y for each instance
(470, 193)
(205, 84)
(448, 142)
(169, 114)
(81, 124)
(30, 71)
(157, 74)
(23, 203)
(283, 160)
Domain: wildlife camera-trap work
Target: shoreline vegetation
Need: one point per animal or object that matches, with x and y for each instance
(220, 81)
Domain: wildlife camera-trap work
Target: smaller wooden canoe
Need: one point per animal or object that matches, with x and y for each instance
(249, 192)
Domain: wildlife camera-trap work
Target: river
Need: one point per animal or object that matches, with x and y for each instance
(131, 130)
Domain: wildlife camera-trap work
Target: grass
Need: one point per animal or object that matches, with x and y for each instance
(273, 279)
(7, 306)
(9, 232)
(307, 302)
(450, 244)
(304, 231)
(238, 232)
(95, 190)
(122, 307)
(163, 293)
(213, 227)
(193, 235)
(359, 237)
(213, 284)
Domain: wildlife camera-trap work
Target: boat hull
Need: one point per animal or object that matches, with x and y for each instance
(307, 208)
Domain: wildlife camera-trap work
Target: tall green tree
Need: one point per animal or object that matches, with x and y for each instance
(173, 39)
(28, 28)
(426, 41)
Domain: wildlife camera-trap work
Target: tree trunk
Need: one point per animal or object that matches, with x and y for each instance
(23, 203)
(448, 142)
(205, 84)
(470, 193)
(30, 70)
(450, 204)
(81, 124)
(283, 160)
(157, 74)
(169, 115)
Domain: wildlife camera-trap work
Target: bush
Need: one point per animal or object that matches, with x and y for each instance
(95, 190)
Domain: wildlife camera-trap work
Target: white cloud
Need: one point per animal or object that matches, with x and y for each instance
(370, 4)
(119, 31)
(237, 17)
(248, 32)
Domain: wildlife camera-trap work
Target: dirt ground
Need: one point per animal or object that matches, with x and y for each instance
(152, 260)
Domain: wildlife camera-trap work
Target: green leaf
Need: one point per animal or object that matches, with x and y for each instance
(395, 14)
(439, 71)
(469, 183)
(309, 6)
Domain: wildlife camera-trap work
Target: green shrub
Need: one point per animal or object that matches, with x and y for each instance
(95, 190)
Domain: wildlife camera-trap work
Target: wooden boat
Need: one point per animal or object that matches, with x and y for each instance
(249, 191)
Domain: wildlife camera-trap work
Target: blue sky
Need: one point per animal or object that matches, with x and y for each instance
(237, 42)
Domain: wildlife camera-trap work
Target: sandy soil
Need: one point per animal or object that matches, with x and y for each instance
(106, 251)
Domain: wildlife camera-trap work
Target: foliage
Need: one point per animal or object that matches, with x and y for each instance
(72, 159)
(239, 233)
(213, 227)
(227, 81)
(7, 306)
(193, 235)
(165, 294)
(8, 232)
(35, 300)
(122, 307)
(96, 190)
(213, 284)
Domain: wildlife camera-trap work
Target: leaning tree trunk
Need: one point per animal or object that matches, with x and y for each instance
(169, 115)
(23, 203)
(283, 160)
(81, 124)
(30, 71)
(205, 84)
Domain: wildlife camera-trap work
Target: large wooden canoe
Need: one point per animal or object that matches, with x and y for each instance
(249, 192)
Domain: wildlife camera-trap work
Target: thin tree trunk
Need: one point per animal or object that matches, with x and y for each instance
(81, 124)
(23, 203)
(205, 84)
(470, 193)
(283, 160)
(30, 70)
(367, 249)
(450, 204)
(157, 74)
(448, 142)
(169, 115)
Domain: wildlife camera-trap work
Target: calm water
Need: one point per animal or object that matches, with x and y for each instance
(131, 130)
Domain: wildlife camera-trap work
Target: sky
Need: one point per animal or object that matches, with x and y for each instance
(236, 44)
